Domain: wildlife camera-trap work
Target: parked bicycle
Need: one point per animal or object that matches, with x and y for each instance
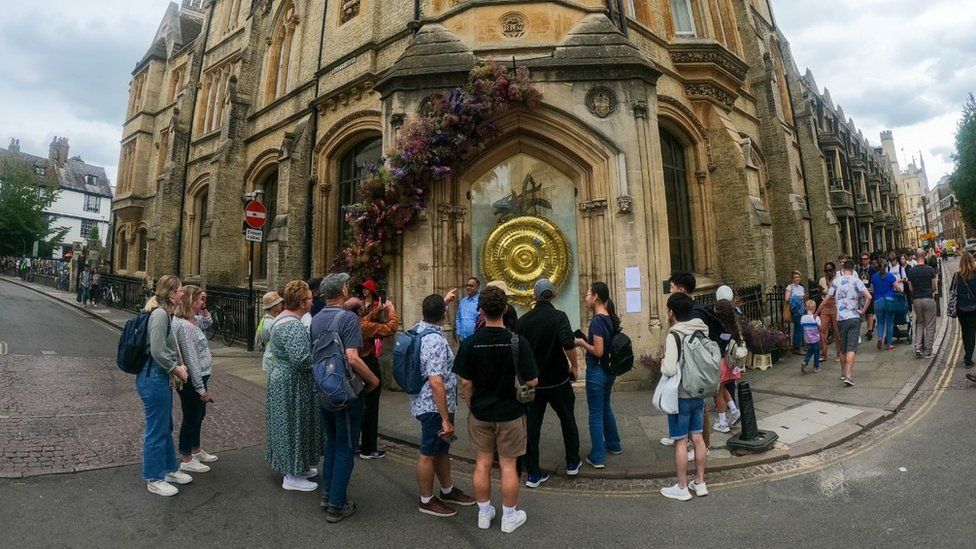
(109, 297)
(223, 322)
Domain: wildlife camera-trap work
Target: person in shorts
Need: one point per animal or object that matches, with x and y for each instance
(845, 291)
(689, 422)
(434, 407)
(497, 419)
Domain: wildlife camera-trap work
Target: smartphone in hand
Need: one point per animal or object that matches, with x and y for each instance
(579, 333)
(383, 296)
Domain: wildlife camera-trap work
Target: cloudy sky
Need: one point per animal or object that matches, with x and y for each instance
(904, 65)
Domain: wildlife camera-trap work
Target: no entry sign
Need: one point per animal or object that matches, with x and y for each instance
(255, 215)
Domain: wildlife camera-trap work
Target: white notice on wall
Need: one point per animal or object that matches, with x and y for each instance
(632, 276)
(633, 301)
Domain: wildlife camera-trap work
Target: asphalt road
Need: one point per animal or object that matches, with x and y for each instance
(863, 500)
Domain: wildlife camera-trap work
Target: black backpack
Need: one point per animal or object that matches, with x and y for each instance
(134, 344)
(618, 353)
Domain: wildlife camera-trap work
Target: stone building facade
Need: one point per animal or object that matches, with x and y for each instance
(678, 134)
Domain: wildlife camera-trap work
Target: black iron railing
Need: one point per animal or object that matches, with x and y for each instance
(233, 302)
(130, 293)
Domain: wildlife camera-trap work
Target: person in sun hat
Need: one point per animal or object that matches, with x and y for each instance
(271, 304)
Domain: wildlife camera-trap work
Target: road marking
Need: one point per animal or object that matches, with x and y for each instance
(49, 353)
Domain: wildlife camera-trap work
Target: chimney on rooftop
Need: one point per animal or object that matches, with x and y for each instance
(14, 145)
(59, 151)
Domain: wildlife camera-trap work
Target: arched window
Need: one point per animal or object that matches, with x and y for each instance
(681, 240)
(143, 249)
(283, 42)
(122, 261)
(270, 199)
(353, 169)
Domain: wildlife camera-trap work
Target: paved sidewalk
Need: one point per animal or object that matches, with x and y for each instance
(809, 412)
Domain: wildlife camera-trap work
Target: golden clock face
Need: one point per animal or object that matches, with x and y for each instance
(523, 250)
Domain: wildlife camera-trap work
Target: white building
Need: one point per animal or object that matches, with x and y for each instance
(85, 200)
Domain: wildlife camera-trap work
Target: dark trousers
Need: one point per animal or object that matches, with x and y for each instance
(194, 410)
(967, 323)
(371, 416)
(563, 400)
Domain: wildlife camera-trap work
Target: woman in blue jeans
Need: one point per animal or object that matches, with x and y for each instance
(599, 384)
(796, 297)
(160, 467)
(884, 300)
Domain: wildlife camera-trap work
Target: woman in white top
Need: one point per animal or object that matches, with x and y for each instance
(796, 296)
(188, 324)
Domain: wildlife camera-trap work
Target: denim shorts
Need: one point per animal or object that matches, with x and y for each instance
(431, 443)
(690, 418)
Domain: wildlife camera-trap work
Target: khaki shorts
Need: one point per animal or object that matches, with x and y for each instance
(508, 437)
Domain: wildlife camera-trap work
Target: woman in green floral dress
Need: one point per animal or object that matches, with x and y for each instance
(294, 431)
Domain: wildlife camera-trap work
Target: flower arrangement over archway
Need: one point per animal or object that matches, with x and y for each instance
(430, 147)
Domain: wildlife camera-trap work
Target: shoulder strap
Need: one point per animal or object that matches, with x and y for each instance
(515, 357)
(283, 319)
(335, 321)
(677, 340)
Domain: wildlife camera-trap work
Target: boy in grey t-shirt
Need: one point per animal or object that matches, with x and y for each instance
(923, 280)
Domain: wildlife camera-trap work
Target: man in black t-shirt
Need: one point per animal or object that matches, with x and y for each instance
(497, 419)
(548, 332)
(923, 279)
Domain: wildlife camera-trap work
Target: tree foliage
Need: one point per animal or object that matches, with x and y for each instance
(23, 198)
(94, 239)
(964, 178)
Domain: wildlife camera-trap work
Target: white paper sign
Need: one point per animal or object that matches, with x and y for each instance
(253, 235)
(632, 276)
(633, 301)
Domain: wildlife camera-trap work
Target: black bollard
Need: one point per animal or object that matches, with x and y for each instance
(751, 439)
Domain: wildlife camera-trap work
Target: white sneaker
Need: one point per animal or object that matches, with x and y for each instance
(310, 473)
(700, 490)
(203, 457)
(162, 488)
(179, 477)
(721, 426)
(667, 441)
(194, 466)
(691, 454)
(509, 525)
(298, 483)
(676, 492)
(484, 520)
(734, 417)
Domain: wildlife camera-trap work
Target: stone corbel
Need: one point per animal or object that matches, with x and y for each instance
(593, 207)
(451, 212)
(397, 119)
(701, 177)
(640, 109)
(625, 204)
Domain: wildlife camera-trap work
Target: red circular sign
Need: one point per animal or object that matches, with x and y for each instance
(255, 214)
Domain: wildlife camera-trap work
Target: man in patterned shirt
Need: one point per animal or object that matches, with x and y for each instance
(845, 290)
(434, 407)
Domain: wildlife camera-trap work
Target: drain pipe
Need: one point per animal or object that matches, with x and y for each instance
(313, 131)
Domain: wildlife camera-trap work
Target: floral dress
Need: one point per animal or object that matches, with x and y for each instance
(294, 443)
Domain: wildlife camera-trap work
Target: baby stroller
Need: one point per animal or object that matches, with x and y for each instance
(902, 320)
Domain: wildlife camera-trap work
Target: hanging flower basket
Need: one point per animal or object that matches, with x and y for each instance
(428, 151)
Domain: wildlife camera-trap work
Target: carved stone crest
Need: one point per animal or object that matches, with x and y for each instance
(512, 25)
(601, 102)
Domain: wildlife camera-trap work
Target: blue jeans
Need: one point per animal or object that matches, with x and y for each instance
(797, 332)
(813, 352)
(603, 426)
(341, 438)
(158, 451)
(886, 316)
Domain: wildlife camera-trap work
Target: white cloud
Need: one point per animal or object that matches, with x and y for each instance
(901, 65)
(66, 67)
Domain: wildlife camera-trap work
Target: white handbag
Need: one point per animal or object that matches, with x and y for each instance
(666, 394)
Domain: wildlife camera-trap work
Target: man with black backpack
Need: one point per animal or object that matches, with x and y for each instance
(689, 352)
(341, 427)
(434, 407)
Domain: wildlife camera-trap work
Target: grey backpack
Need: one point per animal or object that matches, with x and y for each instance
(700, 363)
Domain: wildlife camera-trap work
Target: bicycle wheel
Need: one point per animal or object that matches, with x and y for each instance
(227, 330)
(107, 298)
(211, 330)
(117, 300)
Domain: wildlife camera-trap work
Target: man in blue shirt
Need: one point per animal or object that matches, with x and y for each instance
(467, 314)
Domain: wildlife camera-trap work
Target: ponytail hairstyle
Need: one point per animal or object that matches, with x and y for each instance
(725, 312)
(602, 292)
(190, 295)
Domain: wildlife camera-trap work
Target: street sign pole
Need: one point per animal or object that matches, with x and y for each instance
(250, 297)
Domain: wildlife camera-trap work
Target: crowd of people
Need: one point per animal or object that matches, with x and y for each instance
(499, 355)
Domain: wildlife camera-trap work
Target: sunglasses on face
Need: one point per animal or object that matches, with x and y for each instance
(469, 285)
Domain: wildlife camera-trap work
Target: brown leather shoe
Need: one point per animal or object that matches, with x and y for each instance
(437, 508)
(457, 497)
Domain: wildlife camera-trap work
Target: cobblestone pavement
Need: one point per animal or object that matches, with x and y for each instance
(62, 413)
